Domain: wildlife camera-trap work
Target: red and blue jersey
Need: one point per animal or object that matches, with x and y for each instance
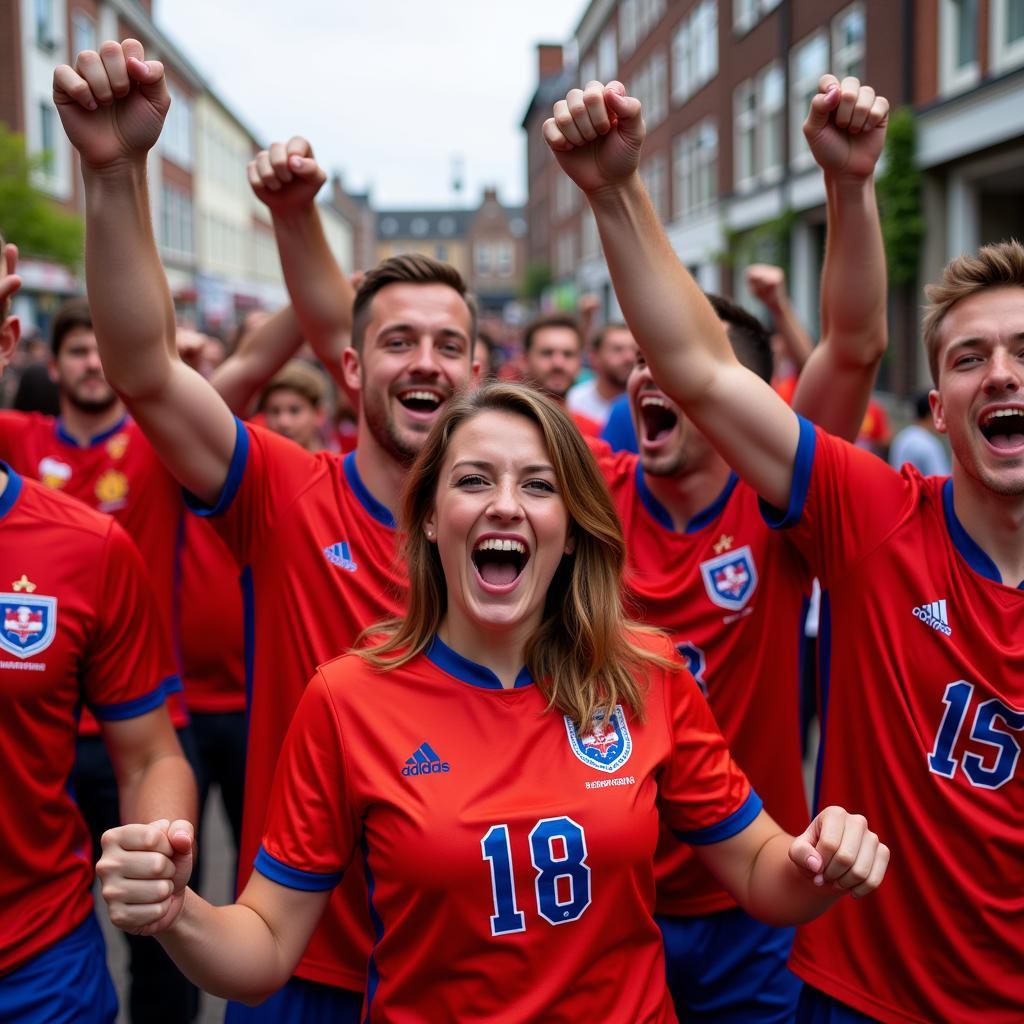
(212, 652)
(509, 853)
(77, 620)
(922, 676)
(732, 595)
(318, 558)
(119, 473)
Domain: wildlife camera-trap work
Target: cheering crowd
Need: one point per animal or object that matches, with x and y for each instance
(508, 719)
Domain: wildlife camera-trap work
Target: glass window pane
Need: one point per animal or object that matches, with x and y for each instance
(1014, 21)
(966, 19)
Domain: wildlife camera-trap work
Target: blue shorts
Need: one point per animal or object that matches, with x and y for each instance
(727, 967)
(66, 984)
(818, 1008)
(301, 1002)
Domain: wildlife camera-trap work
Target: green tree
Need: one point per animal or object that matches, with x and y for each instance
(27, 216)
(899, 200)
(536, 278)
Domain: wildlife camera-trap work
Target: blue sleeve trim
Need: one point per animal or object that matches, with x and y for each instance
(294, 878)
(239, 458)
(802, 466)
(727, 827)
(131, 708)
(173, 684)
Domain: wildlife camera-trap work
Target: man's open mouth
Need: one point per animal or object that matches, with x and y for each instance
(420, 400)
(1003, 428)
(656, 418)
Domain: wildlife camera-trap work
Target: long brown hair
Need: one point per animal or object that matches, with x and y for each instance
(584, 654)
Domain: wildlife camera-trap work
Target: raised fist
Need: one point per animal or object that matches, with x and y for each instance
(112, 103)
(845, 127)
(286, 177)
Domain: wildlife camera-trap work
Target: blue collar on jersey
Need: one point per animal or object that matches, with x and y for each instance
(377, 509)
(661, 516)
(63, 435)
(968, 547)
(11, 492)
(469, 671)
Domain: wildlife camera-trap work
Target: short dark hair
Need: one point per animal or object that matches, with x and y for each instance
(921, 405)
(599, 338)
(70, 314)
(305, 380)
(408, 268)
(750, 339)
(550, 320)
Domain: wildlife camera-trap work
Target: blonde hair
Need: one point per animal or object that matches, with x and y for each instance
(994, 266)
(583, 654)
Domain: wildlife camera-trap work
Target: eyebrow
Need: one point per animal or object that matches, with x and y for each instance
(961, 343)
(540, 467)
(446, 332)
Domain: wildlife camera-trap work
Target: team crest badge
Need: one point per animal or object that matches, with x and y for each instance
(117, 446)
(111, 490)
(730, 579)
(28, 625)
(606, 745)
(54, 473)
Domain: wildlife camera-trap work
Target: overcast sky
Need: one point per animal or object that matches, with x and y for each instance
(388, 91)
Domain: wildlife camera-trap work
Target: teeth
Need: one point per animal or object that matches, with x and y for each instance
(423, 396)
(997, 413)
(653, 400)
(498, 544)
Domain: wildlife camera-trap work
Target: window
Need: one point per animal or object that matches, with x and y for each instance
(958, 44)
(482, 258)
(627, 27)
(83, 33)
(47, 136)
(747, 13)
(441, 253)
(658, 85)
(848, 30)
(695, 51)
(565, 254)
(176, 138)
(696, 168)
(607, 58)
(652, 171)
(505, 259)
(419, 226)
(744, 105)
(566, 196)
(388, 226)
(590, 242)
(45, 25)
(588, 71)
(1007, 47)
(176, 220)
(446, 226)
(772, 93)
(807, 63)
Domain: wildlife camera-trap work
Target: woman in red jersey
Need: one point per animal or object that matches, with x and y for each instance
(498, 760)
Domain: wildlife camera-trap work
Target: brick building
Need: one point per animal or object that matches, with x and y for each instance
(726, 86)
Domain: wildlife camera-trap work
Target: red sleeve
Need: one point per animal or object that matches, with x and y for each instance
(266, 473)
(703, 794)
(127, 667)
(13, 425)
(311, 827)
(844, 502)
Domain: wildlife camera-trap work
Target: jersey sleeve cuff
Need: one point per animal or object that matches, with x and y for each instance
(294, 878)
(133, 708)
(727, 827)
(782, 519)
(239, 458)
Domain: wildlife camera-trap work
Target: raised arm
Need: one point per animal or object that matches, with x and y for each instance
(112, 105)
(596, 136)
(845, 129)
(768, 284)
(260, 354)
(287, 178)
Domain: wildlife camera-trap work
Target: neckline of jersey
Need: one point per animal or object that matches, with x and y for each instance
(661, 516)
(455, 664)
(11, 492)
(972, 552)
(377, 509)
(63, 435)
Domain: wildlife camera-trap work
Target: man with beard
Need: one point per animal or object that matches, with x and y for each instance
(314, 534)
(612, 356)
(733, 593)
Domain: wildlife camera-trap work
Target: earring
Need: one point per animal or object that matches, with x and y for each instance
(430, 534)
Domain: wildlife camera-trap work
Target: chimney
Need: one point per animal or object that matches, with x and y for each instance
(549, 60)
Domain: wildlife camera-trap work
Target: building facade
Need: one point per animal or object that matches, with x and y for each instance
(726, 86)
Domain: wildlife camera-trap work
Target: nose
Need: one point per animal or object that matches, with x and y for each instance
(424, 358)
(504, 504)
(1004, 372)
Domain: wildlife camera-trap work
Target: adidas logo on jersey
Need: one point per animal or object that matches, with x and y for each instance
(934, 614)
(340, 555)
(425, 762)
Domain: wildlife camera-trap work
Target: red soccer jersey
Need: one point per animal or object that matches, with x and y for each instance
(118, 473)
(922, 675)
(212, 657)
(732, 595)
(509, 853)
(318, 555)
(77, 625)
